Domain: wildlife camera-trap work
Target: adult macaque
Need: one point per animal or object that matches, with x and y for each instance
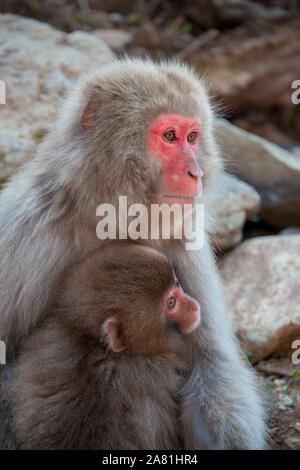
(145, 131)
(105, 368)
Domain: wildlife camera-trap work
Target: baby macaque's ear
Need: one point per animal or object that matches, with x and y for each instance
(88, 116)
(111, 329)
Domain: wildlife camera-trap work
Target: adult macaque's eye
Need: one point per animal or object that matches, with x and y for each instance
(171, 302)
(192, 137)
(170, 136)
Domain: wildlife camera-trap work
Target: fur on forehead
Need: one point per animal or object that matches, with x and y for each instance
(135, 91)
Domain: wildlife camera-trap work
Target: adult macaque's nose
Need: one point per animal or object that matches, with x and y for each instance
(193, 168)
(195, 171)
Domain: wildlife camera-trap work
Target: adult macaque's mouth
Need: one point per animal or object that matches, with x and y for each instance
(180, 196)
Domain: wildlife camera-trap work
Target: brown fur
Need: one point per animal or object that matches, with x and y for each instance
(72, 392)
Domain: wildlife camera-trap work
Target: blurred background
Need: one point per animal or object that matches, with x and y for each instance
(248, 50)
(249, 54)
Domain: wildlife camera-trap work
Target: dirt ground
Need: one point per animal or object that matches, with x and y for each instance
(282, 385)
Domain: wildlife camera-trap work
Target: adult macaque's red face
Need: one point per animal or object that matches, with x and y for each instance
(174, 140)
(181, 309)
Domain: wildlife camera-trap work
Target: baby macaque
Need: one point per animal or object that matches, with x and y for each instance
(105, 367)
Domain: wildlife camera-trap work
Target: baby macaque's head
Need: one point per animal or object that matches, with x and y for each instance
(129, 297)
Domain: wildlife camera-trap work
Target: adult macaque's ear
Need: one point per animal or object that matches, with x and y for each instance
(88, 116)
(111, 329)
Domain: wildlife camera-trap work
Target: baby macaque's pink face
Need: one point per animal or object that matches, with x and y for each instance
(178, 309)
(181, 309)
(174, 141)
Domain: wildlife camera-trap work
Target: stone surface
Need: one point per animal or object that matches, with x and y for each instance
(293, 443)
(253, 67)
(290, 231)
(262, 282)
(116, 39)
(271, 170)
(146, 36)
(296, 151)
(37, 64)
(235, 202)
(297, 426)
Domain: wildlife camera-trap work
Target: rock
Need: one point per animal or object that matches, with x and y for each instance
(120, 6)
(229, 13)
(234, 203)
(293, 443)
(296, 151)
(271, 170)
(116, 39)
(278, 366)
(269, 126)
(146, 36)
(255, 83)
(285, 401)
(38, 63)
(117, 18)
(290, 231)
(280, 384)
(297, 426)
(262, 282)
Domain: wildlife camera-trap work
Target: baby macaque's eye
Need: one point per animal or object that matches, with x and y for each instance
(192, 137)
(170, 136)
(171, 302)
